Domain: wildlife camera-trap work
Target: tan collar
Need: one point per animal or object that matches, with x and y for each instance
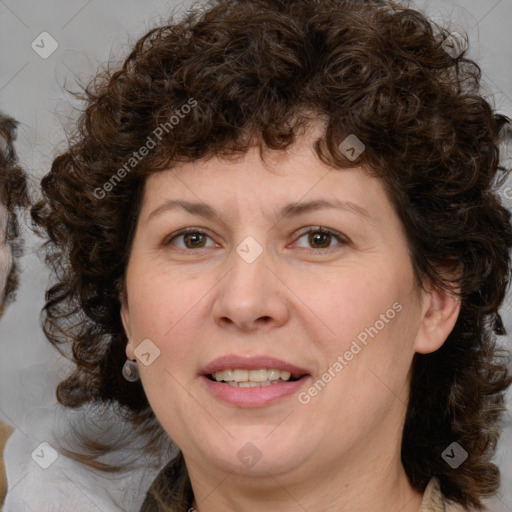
(433, 500)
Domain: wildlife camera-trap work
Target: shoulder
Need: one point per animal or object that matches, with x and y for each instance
(34, 463)
(5, 432)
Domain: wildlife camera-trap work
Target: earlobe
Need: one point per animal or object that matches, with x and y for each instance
(440, 312)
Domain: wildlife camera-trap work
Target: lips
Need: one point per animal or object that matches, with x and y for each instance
(248, 397)
(252, 363)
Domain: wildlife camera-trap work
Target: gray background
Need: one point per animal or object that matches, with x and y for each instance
(88, 34)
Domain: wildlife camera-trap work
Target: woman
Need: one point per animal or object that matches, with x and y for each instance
(13, 195)
(277, 233)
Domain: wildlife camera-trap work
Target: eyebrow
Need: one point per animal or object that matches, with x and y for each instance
(287, 211)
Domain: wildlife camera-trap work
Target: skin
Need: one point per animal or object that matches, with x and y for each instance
(303, 301)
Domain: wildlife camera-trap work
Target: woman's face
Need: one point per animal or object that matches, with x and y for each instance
(345, 313)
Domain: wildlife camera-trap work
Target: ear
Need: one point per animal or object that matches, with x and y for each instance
(440, 311)
(125, 319)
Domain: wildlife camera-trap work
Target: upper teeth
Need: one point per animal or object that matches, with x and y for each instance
(251, 375)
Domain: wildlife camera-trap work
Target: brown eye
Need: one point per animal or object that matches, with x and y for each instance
(193, 238)
(321, 238)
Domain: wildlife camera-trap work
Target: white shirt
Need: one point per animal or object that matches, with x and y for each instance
(41, 479)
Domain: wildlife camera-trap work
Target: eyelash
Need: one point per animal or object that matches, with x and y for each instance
(313, 229)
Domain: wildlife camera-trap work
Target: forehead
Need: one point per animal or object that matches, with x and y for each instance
(258, 168)
(268, 181)
(244, 191)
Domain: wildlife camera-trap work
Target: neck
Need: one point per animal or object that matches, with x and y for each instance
(373, 484)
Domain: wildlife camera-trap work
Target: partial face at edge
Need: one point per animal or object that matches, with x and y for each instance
(5, 250)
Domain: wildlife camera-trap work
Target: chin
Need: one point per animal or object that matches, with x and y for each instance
(254, 452)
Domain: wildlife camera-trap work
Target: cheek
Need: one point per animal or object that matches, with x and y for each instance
(351, 304)
(368, 318)
(151, 301)
(164, 307)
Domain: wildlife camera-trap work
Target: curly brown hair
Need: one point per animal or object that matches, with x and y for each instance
(14, 196)
(263, 69)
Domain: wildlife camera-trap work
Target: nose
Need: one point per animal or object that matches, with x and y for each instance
(251, 295)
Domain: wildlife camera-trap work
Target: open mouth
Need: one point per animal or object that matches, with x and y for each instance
(259, 384)
(253, 378)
